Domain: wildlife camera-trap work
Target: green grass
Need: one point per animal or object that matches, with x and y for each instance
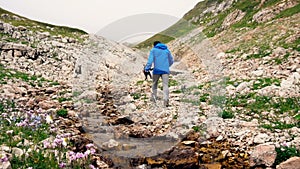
(289, 12)
(173, 82)
(214, 29)
(180, 28)
(63, 99)
(136, 96)
(10, 74)
(278, 125)
(226, 114)
(264, 82)
(193, 102)
(265, 103)
(285, 152)
(158, 37)
(140, 82)
(54, 83)
(204, 97)
(264, 50)
(62, 113)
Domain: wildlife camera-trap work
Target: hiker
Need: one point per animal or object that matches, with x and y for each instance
(162, 59)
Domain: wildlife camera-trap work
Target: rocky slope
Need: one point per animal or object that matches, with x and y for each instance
(252, 51)
(234, 88)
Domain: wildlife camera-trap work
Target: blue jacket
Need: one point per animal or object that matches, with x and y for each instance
(162, 59)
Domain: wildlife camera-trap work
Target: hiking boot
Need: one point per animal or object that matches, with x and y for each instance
(166, 103)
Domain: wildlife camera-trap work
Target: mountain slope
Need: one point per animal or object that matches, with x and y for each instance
(246, 56)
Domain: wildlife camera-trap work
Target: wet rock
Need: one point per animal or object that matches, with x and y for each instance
(188, 142)
(211, 166)
(124, 120)
(176, 158)
(111, 144)
(263, 154)
(291, 163)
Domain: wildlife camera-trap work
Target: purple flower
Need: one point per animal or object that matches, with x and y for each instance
(4, 159)
(285, 144)
(46, 144)
(66, 135)
(92, 166)
(79, 155)
(58, 141)
(93, 151)
(88, 146)
(62, 165)
(87, 153)
(72, 155)
(54, 145)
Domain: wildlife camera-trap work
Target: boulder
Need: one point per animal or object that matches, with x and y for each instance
(291, 163)
(263, 155)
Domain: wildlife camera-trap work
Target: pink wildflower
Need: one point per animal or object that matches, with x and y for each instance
(92, 166)
(62, 165)
(79, 155)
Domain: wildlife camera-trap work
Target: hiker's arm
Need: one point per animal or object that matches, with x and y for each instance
(150, 61)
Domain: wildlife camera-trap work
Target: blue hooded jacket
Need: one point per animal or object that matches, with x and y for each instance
(162, 59)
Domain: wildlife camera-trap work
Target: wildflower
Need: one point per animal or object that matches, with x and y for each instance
(58, 141)
(79, 155)
(64, 143)
(49, 119)
(93, 151)
(66, 135)
(29, 168)
(46, 144)
(92, 166)
(72, 155)
(9, 132)
(88, 146)
(87, 153)
(62, 165)
(285, 144)
(4, 159)
(54, 145)
(4, 115)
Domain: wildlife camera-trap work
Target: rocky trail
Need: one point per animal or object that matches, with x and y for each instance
(233, 105)
(120, 118)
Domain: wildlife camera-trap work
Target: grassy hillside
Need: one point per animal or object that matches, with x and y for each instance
(17, 20)
(211, 20)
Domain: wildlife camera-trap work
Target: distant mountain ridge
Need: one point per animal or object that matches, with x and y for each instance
(216, 16)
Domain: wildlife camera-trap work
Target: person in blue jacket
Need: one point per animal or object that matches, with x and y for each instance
(162, 59)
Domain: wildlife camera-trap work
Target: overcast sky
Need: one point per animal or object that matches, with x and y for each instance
(93, 15)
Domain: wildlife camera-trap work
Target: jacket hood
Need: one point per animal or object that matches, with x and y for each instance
(161, 46)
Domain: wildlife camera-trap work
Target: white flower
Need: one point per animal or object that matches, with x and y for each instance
(9, 132)
(64, 143)
(49, 119)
